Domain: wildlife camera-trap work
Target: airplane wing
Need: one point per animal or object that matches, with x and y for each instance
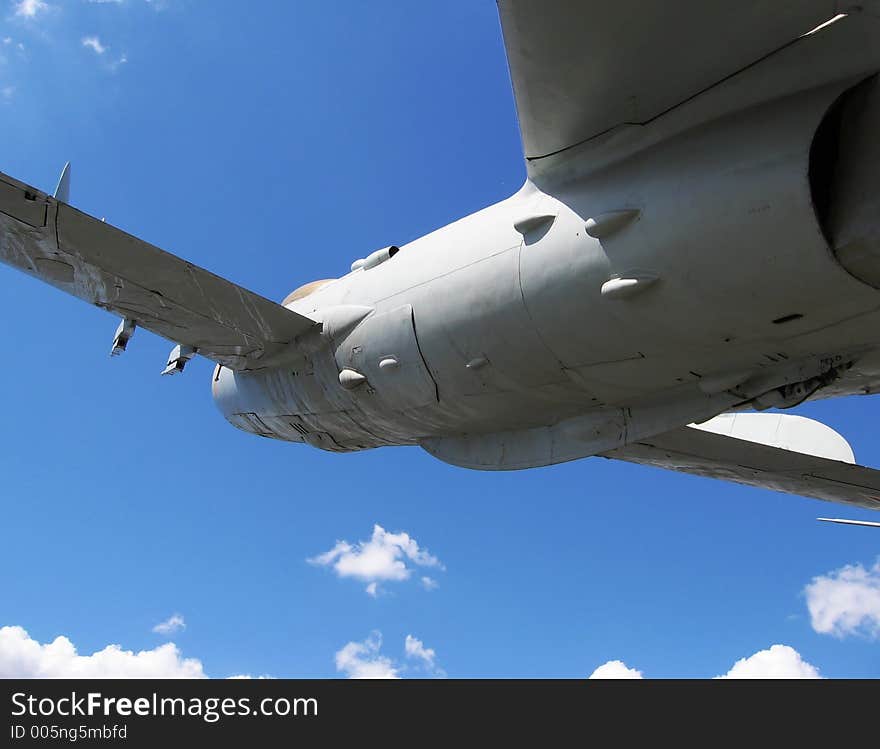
(581, 67)
(158, 291)
(709, 452)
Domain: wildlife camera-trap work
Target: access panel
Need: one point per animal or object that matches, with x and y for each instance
(384, 349)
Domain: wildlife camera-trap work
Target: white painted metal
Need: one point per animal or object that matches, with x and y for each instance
(178, 358)
(698, 235)
(350, 379)
(380, 256)
(606, 224)
(375, 258)
(62, 190)
(867, 523)
(108, 268)
(785, 431)
(540, 221)
(579, 70)
(717, 456)
(123, 335)
(627, 285)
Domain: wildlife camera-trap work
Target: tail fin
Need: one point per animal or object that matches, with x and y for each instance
(62, 191)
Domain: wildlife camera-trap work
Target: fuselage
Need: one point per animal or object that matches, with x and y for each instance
(687, 259)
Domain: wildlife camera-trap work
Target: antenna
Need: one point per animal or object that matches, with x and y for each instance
(62, 191)
(850, 522)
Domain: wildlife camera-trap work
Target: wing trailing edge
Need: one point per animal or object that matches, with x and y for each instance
(147, 287)
(780, 452)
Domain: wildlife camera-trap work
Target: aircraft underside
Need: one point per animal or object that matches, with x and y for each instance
(681, 264)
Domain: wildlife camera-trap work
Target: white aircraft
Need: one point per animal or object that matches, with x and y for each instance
(697, 241)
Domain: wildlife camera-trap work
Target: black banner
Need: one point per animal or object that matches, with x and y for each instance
(273, 712)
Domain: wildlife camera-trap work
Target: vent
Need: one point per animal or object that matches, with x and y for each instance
(299, 428)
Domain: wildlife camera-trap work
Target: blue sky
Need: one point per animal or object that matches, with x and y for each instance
(274, 143)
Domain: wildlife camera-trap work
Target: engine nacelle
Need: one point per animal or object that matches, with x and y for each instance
(845, 180)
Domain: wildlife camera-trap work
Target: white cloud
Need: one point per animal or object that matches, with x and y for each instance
(30, 8)
(362, 660)
(846, 601)
(172, 624)
(94, 43)
(777, 662)
(22, 657)
(615, 670)
(381, 559)
(429, 583)
(415, 649)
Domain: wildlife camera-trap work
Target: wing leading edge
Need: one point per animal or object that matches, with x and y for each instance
(581, 68)
(104, 266)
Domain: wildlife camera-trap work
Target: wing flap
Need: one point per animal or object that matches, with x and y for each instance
(113, 270)
(704, 453)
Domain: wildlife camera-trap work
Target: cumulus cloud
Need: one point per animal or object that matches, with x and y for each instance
(846, 601)
(415, 648)
(362, 660)
(30, 8)
(429, 583)
(172, 624)
(22, 657)
(777, 662)
(426, 657)
(615, 670)
(94, 44)
(385, 557)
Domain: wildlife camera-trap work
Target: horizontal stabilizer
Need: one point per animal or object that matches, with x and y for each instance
(786, 431)
(716, 455)
(153, 289)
